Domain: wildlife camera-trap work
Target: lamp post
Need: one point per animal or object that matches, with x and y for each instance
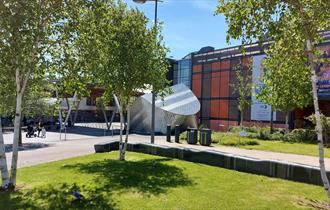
(153, 100)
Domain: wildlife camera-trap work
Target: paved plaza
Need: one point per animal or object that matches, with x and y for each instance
(80, 141)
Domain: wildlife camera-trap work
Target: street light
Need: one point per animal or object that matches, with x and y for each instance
(153, 100)
(140, 1)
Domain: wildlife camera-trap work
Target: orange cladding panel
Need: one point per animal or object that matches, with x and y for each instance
(225, 64)
(224, 84)
(214, 125)
(215, 106)
(223, 113)
(197, 68)
(196, 85)
(215, 84)
(215, 66)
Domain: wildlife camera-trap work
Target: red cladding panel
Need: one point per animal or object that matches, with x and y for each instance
(197, 68)
(214, 125)
(215, 106)
(196, 85)
(225, 65)
(224, 84)
(215, 85)
(223, 113)
(216, 66)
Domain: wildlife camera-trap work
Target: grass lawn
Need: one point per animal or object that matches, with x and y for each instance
(149, 182)
(231, 139)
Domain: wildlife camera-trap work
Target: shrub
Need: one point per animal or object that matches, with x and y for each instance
(251, 142)
(230, 139)
(301, 135)
(264, 134)
(238, 142)
(325, 124)
(235, 129)
(276, 136)
(183, 136)
(253, 129)
(253, 135)
(218, 136)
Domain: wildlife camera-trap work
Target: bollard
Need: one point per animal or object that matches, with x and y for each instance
(177, 133)
(168, 133)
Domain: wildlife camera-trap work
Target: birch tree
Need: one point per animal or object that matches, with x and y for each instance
(280, 20)
(27, 34)
(286, 80)
(122, 53)
(3, 162)
(67, 65)
(243, 87)
(6, 106)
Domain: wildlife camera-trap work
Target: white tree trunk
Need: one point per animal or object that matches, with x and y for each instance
(67, 102)
(287, 122)
(319, 129)
(3, 161)
(127, 130)
(59, 111)
(105, 115)
(121, 143)
(271, 120)
(242, 116)
(76, 113)
(112, 117)
(69, 109)
(17, 124)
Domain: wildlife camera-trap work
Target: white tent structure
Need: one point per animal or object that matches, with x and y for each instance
(177, 108)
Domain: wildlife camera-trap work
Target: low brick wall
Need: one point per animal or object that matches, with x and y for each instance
(289, 171)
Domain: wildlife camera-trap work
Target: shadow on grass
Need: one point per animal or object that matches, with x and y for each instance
(150, 176)
(58, 197)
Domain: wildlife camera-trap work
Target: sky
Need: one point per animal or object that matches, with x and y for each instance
(188, 25)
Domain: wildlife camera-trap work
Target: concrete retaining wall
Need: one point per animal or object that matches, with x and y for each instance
(271, 168)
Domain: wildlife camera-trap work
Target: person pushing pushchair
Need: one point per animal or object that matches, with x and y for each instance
(41, 129)
(30, 131)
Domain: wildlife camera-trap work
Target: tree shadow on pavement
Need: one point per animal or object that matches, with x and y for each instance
(89, 131)
(26, 146)
(151, 176)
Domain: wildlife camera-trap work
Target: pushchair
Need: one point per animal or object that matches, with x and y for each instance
(30, 132)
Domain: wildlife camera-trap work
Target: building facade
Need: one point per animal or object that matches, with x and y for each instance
(213, 76)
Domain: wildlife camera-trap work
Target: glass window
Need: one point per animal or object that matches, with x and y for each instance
(184, 72)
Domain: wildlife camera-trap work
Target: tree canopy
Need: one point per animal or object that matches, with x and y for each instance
(286, 77)
(292, 28)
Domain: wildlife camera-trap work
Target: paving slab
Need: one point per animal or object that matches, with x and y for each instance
(79, 142)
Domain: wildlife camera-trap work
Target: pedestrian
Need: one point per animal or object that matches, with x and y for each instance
(43, 132)
(40, 127)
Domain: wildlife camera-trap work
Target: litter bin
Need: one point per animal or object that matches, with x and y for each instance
(192, 135)
(205, 137)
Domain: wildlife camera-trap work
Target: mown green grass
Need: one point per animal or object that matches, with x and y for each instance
(150, 182)
(232, 139)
